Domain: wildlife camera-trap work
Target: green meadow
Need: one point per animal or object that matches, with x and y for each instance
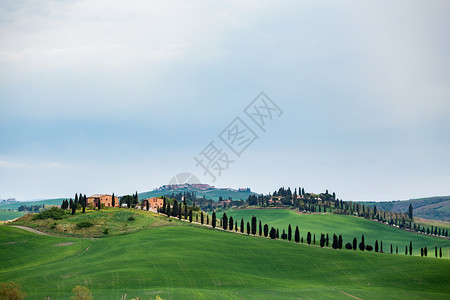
(10, 215)
(348, 226)
(185, 262)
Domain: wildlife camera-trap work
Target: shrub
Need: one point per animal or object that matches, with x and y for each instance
(11, 290)
(81, 293)
(106, 231)
(131, 218)
(84, 224)
(54, 213)
(348, 246)
(369, 248)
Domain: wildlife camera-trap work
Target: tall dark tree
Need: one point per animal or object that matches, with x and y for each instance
(266, 230)
(190, 215)
(254, 228)
(297, 235)
(435, 251)
(289, 234)
(335, 243)
(175, 208)
(169, 210)
(355, 242)
(179, 211)
(248, 228)
(185, 212)
(308, 238)
(381, 246)
(76, 199)
(202, 218)
(260, 228)
(213, 220)
(362, 245)
(406, 250)
(231, 223)
(113, 201)
(242, 226)
(273, 233)
(340, 242)
(225, 221)
(376, 246)
(425, 251)
(322, 240)
(410, 247)
(440, 252)
(410, 211)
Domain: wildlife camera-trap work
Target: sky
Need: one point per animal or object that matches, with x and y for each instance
(121, 96)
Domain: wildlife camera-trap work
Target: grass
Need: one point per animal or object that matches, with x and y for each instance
(348, 226)
(10, 215)
(117, 221)
(15, 204)
(429, 223)
(185, 262)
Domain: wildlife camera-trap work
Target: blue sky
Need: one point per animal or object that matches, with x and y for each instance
(108, 96)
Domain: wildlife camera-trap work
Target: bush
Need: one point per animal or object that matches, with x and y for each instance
(84, 224)
(54, 213)
(369, 248)
(11, 290)
(106, 231)
(81, 293)
(131, 218)
(348, 246)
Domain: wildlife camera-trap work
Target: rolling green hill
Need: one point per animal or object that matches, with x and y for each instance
(213, 194)
(348, 226)
(15, 204)
(435, 208)
(185, 262)
(10, 215)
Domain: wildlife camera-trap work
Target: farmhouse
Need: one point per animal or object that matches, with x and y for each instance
(153, 203)
(104, 199)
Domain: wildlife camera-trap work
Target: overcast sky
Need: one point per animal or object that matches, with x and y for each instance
(119, 96)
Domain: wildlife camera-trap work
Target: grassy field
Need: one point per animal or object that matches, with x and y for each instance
(185, 262)
(15, 204)
(10, 215)
(116, 221)
(348, 226)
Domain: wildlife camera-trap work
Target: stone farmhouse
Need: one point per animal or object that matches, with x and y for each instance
(103, 199)
(153, 203)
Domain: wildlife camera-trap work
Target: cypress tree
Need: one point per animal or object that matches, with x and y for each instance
(207, 219)
(381, 246)
(242, 225)
(376, 246)
(76, 198)
(322, 240)
(278, 234)
(396, 249)
(113, 201)
(169, 210)
(213, 220)
(355, 242)
(254, 225)
(260, 228)
(248, 228)
(225, 221)
(202, 218)
(297, 235)
(425, 251)
(235, 226)
(231, 223)
(440, 252)
(314, 239)
(308, 238)
(335, 244)
(340, 242)
(190, 215)
(391, 249)
(289, 234)
(273, 233)
(327, 240)
(410, 211)
(147, 205)
(179, 212)
(410, 247)
(266, 230)
(435, 251)
(421, 252)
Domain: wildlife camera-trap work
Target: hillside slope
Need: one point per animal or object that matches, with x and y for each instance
(348, 226)
(188, 262)
(434, 208)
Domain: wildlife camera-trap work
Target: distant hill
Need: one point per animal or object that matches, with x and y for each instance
(13, 205)
(434, 208)
(209, 192)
